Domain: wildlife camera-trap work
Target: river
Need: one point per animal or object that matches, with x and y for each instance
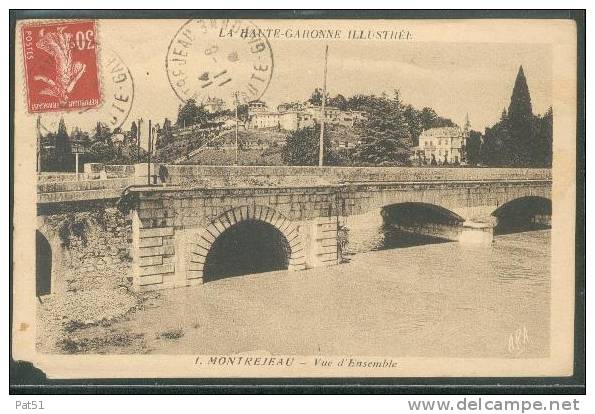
(431, 300)
(486, 299)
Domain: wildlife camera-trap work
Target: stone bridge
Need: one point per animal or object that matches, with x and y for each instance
(194, 224)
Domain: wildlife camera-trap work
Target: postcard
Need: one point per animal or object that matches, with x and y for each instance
(289, 198)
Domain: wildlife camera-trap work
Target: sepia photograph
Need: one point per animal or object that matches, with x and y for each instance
(212, 197)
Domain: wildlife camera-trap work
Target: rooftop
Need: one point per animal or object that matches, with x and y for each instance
(443, 132)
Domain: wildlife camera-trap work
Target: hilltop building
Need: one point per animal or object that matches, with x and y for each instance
(214, 105)
(290, 117)
(257, 106)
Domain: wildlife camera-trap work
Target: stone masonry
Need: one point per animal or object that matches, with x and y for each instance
(173, 225)
(174, 229)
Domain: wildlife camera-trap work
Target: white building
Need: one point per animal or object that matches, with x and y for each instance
(442, 145)
(257, 106)
(264, 119)
(214, 105)
(292, 119)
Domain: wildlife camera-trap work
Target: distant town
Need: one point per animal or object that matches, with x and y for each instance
(358, 130)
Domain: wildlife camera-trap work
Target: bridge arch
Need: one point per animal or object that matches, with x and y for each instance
(523, 212)
(420, 213)
(244, 240)
(412, 223)
(48, 260)
(43, 265)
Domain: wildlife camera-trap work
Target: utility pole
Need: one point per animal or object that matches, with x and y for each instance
(323, 112)
(149, 146)
(138, 134)
(236, 96)
(38, 143)
(76, 162)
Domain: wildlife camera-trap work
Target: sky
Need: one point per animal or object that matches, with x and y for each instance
(453, 78)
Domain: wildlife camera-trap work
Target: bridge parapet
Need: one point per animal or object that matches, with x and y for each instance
(84, 190)
(226, 176)
(58, 187)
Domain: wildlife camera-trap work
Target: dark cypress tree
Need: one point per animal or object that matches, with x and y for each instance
(133, 133)
(62, 140)
(520, 101)
(520, 123)
(63, 149)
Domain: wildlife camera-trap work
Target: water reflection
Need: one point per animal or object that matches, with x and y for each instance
(388, 236)
(508, 227)
(395, 238)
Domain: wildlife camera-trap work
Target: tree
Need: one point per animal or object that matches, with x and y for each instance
(62, 141)
(496, 149)
(133, 133)
(384, 135)
(316, 97)
(192, 114)
(79, 136)
(102, 151)
(63, 149)
(474, 148)
(164, 134)
(338, 101)
(425, 119)
(243, 112)
(543, 139)
(520, 122)
(519, 138)
(102, 132)
(302, 148)
(430, 119)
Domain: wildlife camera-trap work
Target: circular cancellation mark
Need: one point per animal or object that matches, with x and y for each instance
(117, 90)
(219, 59)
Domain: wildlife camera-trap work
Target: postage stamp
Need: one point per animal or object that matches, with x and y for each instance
(61, 66)
(117, 87)
(215, 57)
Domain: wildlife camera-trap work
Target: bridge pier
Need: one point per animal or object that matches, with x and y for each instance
(477, 233)
(367, 232)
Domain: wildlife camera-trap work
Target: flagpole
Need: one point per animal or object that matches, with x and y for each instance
(323, 113)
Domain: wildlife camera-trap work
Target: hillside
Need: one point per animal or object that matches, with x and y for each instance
(253, 136)
(211, 156)
(260, 146)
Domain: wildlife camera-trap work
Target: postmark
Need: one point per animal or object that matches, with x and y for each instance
(61, 67)
(117, 98)
(219, 58)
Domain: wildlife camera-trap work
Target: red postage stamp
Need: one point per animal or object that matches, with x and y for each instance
(61, 66)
